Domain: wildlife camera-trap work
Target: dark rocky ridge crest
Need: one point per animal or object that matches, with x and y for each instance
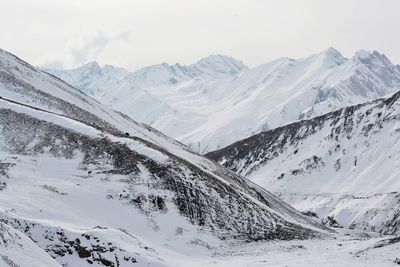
(266, 145)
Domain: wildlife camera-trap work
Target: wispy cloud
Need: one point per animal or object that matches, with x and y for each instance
(52, 64)
(91, 46)
(80, 51)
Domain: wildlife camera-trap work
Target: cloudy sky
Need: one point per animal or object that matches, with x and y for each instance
(136, 33)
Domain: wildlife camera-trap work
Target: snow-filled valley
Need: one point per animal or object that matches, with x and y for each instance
(83, 184)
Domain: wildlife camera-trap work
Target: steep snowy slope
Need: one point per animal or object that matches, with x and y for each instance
(17, 250)
(91, 186)
(342, 167)
(218, 100)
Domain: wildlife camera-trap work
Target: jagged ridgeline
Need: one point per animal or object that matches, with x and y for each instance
(77, 178)
(218, 100)
(341, 167)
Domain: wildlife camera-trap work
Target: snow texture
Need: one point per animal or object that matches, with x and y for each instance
(90, 186)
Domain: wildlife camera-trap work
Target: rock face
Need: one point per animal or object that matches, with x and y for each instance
(218, 100)
(91, 186)
(342, 167)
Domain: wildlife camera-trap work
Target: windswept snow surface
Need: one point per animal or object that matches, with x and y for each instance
(350, 248)
(218, 100)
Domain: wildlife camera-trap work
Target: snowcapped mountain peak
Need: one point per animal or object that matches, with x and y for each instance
(331, 51)
(371, 58)
(165, 74)
(90, 65)
(330, 57)
(218, 64)
(365, 57)
(88, 69)
(94, 68)
(362, 54)
(378, 65)
(334, 54)
(113, 69)
(160, 74)
(89, 76)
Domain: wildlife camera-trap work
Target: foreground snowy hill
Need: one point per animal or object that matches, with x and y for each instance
(218, 100)
(90, 186)
(341, 167)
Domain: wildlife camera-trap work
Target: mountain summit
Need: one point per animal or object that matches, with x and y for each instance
(218, 64)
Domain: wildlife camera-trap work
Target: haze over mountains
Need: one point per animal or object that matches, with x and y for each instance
(218, 100)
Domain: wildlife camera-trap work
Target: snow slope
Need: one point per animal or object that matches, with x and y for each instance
(350, 249)
(341, 167)
(91, 186)
(218, 100)
(17, 250)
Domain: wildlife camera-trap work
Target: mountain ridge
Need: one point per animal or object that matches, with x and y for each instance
(340, 166)
(213, 111)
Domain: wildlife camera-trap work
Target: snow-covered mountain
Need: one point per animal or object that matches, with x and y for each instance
(218, 100)
(92, 77)
(91, 186)
(341, 167)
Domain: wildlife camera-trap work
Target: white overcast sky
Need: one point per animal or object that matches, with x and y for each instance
(136, 33)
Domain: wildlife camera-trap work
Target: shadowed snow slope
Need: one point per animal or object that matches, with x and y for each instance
(91, 186)
(218, 100)
(342, 166)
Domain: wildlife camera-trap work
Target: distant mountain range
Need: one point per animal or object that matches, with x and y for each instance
(218, 100)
